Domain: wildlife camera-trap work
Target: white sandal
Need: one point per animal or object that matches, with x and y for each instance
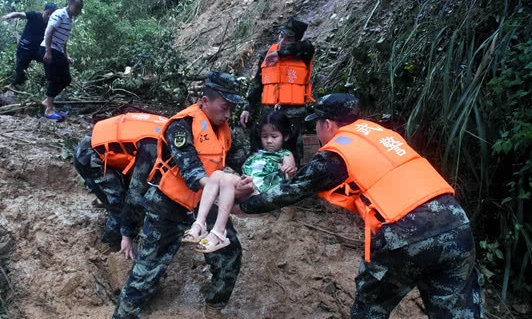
(206, 246)
(188, 237)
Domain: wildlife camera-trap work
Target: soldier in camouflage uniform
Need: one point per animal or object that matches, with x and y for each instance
(166, 220)
(430, 247)
(121, 194)
(290, 45)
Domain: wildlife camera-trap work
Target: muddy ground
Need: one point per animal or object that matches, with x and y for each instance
(299, 262)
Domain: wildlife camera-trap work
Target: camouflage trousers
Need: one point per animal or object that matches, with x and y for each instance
(160, 240)
(109, 186)
(442, 267)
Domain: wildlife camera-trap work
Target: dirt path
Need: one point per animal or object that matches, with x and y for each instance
(59, 269)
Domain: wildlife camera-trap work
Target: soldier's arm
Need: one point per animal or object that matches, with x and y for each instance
(254, 95)
(132, 213)
(325, 170)
(301, 49)
(185, 157)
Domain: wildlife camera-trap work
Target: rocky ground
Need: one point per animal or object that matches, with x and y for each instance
(299, 262)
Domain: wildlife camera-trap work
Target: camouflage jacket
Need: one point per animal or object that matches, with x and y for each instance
(190, 167)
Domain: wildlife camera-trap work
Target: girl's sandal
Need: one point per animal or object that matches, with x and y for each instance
(189, 236)
(208, 246)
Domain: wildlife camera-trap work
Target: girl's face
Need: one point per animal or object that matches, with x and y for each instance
(272, 139)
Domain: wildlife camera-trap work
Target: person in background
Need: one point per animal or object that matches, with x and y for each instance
(282, 82)
(32, 36)
(416, 232)
(115, 160)
(193, 144)
(55, 56)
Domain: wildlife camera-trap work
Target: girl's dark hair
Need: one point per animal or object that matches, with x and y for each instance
(281, 122)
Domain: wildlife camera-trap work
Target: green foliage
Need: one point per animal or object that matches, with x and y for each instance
(111, 36)
(472, 67)
(457, 74)
(103, 42)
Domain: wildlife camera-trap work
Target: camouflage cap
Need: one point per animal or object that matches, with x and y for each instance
(336, 106)
(226, 84)
(294, 28)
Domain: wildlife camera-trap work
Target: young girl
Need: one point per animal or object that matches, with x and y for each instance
(268, 167)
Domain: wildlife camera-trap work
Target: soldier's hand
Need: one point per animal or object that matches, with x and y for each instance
(244, 187)
(237, 211)
(126, 247)
(244, 117)
(271, 58)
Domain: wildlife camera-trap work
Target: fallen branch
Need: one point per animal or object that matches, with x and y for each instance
(309, 209)
(342, 238)
(18, 139)
(272, 277)
(7, 280)
(17, 106)
(106, 288)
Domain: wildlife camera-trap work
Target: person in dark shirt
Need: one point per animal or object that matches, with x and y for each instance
(417, 234)
(32, 36)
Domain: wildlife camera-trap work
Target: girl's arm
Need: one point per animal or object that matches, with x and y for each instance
(288, 167)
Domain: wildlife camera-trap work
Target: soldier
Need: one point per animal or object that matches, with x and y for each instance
(417, 234)
(32, 36)
(193, 144)
(283, 82)
(115, 161)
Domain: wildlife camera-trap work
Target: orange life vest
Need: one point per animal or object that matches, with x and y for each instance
(287, 82)
(115, 139)
(386, 176)
(211, 148)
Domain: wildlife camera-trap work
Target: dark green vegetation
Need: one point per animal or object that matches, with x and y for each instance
(453, 76)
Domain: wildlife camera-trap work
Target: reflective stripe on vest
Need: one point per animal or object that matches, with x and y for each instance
(211, 152)
(111, 136)
(287, 82)
(386, 176)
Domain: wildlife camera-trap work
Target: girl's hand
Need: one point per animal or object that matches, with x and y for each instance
(288, 170)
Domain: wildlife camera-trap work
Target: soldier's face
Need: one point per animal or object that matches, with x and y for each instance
(324, 130)
(218, 110)
(284, 39)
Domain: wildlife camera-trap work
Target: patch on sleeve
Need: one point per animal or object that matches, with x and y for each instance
(180, 138)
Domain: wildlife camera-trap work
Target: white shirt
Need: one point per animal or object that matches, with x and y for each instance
(62, 24)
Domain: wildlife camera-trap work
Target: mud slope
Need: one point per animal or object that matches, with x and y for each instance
(294, 264)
